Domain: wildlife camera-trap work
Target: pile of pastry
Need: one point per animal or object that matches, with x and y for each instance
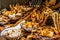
(27, 23)
(8, 18)
(36, 28)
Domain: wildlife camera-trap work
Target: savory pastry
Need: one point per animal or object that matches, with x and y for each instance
(45, 32)
(3, 10)
(20, 8)
(3, 20)
(55, 6)
(6, 13)
(15, 16)
(50, 2)
(29, 25)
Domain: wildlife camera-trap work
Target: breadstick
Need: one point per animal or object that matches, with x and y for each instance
(23, 18)
(45, 20)
(50, 2)
(55, 6)
(11, 7)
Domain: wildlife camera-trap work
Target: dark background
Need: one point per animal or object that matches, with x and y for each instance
(6, 3)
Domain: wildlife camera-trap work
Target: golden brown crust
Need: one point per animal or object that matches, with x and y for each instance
(50, 2)
(55, 6)
(34, 18)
